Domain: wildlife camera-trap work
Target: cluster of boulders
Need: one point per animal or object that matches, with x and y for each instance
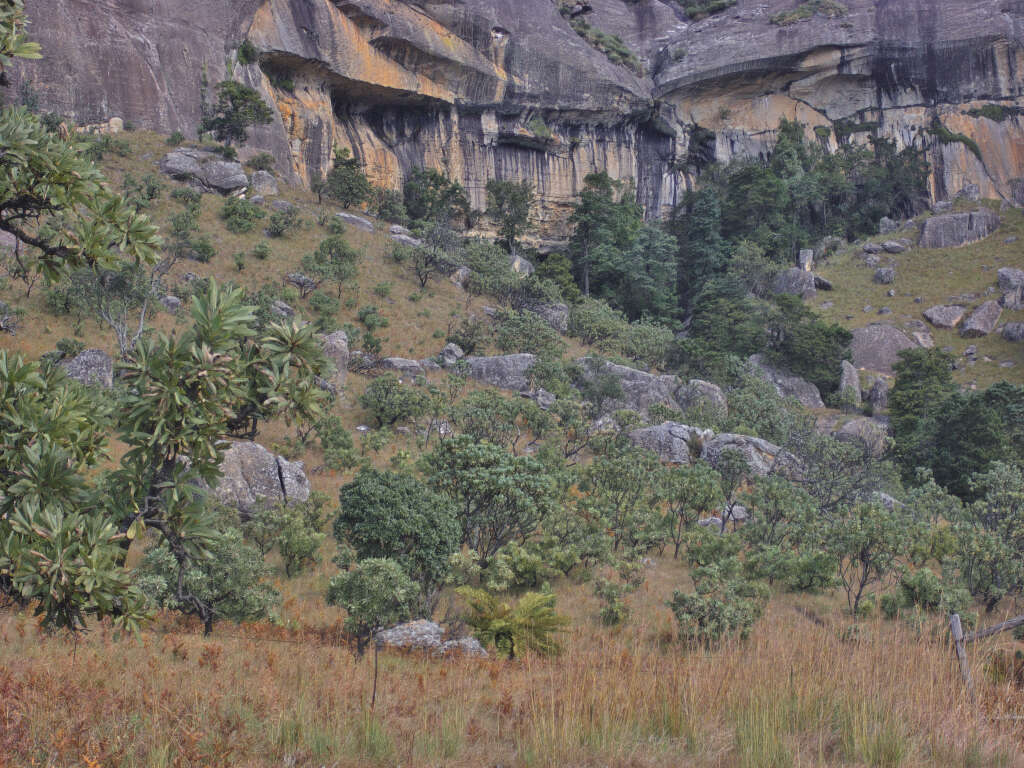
(423, 635)
(207, 170)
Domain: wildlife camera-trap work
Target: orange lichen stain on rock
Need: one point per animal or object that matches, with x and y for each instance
(1001, 143)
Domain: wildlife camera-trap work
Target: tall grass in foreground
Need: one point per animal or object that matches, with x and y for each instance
(795, 694)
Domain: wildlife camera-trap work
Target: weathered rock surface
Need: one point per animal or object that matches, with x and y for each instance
(254, 478)
(205, 170)
(674, 443)
(885, 275)
(455, 85)
(762, 457)
(945, 316)
(640, 390)
(91, 366)
(423, 635)
(1013, 331)
(1009, 278)
(786, 383)
(555, 315)
(849, 383)
(401, 365)
(697, 393)
(502, 371)
(451, 354)
(893, 246)
(170, 303)
(870, 433)
(878, 395)
(356, 221)
(953, 229)
(264, 183)
(982, 321)
(876, 347)
(336, 350)
(796, 282)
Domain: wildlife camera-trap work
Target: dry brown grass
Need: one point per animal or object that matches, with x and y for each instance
(795, 694)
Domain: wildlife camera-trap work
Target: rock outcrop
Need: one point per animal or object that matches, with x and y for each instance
(423, 635)
(945, 316)
(868, 433)
(254, 478)
(486, 89)
(700, 394)
(502, 371)
(762, 457)
(786, 384)
(796, 282)
(954, 229)
(876, 347)
(336, 350)
(849, 383)
(982, 321)
(92, 367)
(640, 390)
(205, 170)
(674, 443)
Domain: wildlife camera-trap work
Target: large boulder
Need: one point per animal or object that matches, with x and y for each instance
(849, 383)
(555, 315)
(451, 354)
(674, 443)
(697, 393)
(952, 229)
(885, 275)
(502, 371)
(401, 365)
(1009, 278)
(206, 170)
(521, 266)
(336, 350)
(876, 347)
(356, 221)
(93, 367)
(795, 282)
(264, 183)
(640, 390)
(254, 478)
(762, 457)
(982, 321)
(1013, 331)
(786, 384)
(878, 395)
(869, 433)
(423, 635)
(945, 315)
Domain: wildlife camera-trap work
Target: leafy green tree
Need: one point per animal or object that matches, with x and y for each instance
(525, 331)
(299, 534)
(375, 594)
(690, 492)
(346, 182)
(228, 583)
(805, 345)
(924, 384)
(499, 497)
(623, 488)
(391, 401)
(238, 108)
(120, 299)
(504, 421)
(971, 435)
(334, 261)
(596, 221)
(508, 204)
(867, 540)
(394, 515)
(528, 625)
(60, 547)
(434, 199)
(702, 251)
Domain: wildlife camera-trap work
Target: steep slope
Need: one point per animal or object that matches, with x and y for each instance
(507, 89)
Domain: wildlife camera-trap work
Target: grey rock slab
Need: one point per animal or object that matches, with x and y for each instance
(762, 457)
(982, 321)
(409, 240)
(884, 275)
(893, 246)
(640, 390)
(870, 433)
(92, 367)
(787, 384)
(954, 229)
(674, 443)
(401, 365)
(254, 478)
(876, 347)
(356, 221)
(452, 353)
(1013, 331)
(502, 371)
(697, 393)
(1009, 278)
(335, 346)
(945, 315)
(555, 315)
(849, 382)
(264, 183)
(795, 282)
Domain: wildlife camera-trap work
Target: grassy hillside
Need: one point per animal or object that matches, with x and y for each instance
(926, 277)
(811, 686)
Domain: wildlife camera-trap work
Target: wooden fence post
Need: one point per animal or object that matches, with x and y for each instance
(961, 654)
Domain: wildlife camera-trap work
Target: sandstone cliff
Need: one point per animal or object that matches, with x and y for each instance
(506, 88)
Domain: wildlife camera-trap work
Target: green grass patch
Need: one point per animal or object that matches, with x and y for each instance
(807, 10)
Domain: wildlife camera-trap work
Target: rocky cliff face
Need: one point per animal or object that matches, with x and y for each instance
(506, 89)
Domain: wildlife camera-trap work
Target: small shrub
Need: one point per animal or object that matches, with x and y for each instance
(529, 624)
(240, 216)
(391, 401)
(470, 333)
(700, 9)
(806, 10)
(247, 52)
(188, 197)
(283, 222)
(176, 139)
(383, 290)
(264, 161)
(202, 249)
(239, 259)
(371, 318)
(389, 205)
(526, 332)
(261, 250)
